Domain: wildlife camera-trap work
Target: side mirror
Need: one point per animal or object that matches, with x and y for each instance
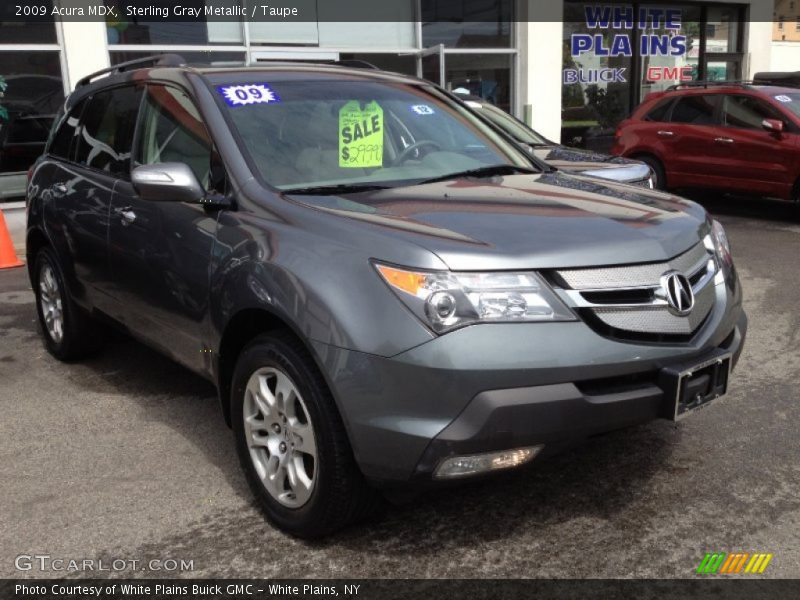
(772, 125)
(167, 182)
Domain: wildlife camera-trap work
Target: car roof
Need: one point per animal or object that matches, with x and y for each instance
(699, 89)
(172, 68)
(287, 71)
(726, 87)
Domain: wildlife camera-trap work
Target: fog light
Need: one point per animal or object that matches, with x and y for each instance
(463, 466)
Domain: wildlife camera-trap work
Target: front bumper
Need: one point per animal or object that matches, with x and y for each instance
(502, 386)
(556, 415)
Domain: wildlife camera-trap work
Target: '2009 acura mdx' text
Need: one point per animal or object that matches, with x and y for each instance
(386, 290)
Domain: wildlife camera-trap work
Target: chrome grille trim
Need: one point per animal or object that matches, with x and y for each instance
(634, 276)
(645, 311)
(658, 320)
(576, 298)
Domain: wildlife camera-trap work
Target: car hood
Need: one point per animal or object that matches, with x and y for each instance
(546, 220)
(574, 160)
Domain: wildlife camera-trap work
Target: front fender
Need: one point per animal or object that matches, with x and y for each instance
(323, 286)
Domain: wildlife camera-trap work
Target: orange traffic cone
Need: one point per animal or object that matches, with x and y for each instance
(8, 258)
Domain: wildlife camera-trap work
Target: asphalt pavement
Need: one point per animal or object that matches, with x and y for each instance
(126, 456)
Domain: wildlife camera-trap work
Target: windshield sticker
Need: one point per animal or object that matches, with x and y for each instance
(248, 93)
(783, 98)
(422, 109)
(360, 135)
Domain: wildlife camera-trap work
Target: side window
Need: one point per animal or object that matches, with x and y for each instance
(747, 112)
(107, 126)
(659, 113)
(173, 131)
(64, 138)
(696, 110)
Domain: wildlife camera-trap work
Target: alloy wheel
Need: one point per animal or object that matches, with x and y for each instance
(51, 304)
(280, 437)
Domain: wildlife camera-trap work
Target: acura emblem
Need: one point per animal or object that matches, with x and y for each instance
(678, 293)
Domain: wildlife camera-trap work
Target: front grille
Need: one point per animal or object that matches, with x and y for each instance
(657, 319)
(629, 303)
(631, 276)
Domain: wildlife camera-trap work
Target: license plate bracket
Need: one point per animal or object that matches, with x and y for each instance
(688, 387)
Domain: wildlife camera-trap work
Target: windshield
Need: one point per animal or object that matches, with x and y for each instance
(790, 101)
(516, 129)
(307, 134)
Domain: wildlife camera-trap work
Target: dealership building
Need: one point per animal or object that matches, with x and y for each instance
(571, 69)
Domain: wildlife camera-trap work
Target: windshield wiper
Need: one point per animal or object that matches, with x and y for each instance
(339, 188)
(489, 171)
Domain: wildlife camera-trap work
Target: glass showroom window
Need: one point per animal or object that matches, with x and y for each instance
(724, 56)
(196, 57)
(31, 92)
(20, 32)
(470, 47)
(475, 24)
(681, 59)
(616, 54)
(597, 71)
(406, 64)
(484, 75)
(128, 31)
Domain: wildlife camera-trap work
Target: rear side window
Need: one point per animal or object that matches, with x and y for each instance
(173, 131)
(697, 110)
(747, 112)
(106, 132)
(659, 113)
(65, 136)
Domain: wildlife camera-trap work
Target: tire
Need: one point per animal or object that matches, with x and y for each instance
(659, 176)
(68, 331)
(303, 439)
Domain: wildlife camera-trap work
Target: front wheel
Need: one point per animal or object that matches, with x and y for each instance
(291, 441)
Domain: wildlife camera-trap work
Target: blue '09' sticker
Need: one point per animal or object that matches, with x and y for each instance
(248, 93)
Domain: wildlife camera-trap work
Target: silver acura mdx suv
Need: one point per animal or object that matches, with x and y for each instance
(387, 291)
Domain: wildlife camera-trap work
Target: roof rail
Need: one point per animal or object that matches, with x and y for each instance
(158, 60)
(706, 84)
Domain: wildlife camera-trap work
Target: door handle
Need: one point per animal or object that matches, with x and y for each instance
(664, 133)
(721, 140)
(59, 188)
(127, 216)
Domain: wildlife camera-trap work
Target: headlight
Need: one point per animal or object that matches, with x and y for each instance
(717, 242)
(445, 300)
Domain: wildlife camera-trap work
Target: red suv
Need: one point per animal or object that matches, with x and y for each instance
(726, 136)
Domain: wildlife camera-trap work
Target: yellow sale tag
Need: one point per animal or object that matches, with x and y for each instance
(360, 135)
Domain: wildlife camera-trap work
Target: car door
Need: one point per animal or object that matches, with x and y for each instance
(686, 140)
(82, 188)
(752, 159)
(160, 252)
